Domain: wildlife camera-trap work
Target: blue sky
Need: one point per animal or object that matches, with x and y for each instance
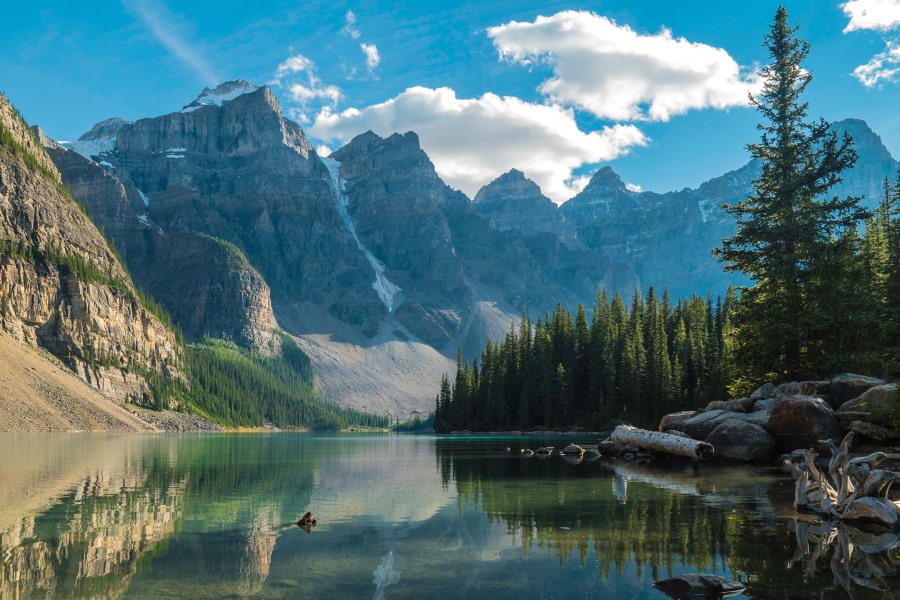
(487, 95)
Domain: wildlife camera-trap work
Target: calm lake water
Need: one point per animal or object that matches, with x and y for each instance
(399, 517)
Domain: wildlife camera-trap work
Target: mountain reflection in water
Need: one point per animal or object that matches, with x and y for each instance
(211, 516)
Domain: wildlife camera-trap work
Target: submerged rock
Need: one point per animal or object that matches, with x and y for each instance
(699, 585)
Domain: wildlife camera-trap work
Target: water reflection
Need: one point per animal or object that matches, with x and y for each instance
(398, 517)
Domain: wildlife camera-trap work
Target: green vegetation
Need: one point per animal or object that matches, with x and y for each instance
(416, 424)
(826, 298)
(237, 387)
(632, 364)
(794, 240)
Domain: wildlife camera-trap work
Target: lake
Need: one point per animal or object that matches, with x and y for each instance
(399, 517)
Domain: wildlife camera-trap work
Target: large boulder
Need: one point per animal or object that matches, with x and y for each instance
(700, 426)
(743, 441)
(674, 420)
(741, 405)
(878, 397)
(801, 421)
(847, 386)
(791, 388)
(763, 405)
(763, 392)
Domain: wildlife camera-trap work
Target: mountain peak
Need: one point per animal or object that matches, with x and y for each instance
(512, 184)
(222, 93)
(104, 130)
(864, 139)
(604, 180)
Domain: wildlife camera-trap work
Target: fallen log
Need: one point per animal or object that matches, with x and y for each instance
(661, 442)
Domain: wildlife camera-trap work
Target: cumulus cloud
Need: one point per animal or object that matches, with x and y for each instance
(298, 75)
(165, 27)
(472, 140)
(878, 15)
(616, 73)
(883, 68)
(350, 25)
(372, 56)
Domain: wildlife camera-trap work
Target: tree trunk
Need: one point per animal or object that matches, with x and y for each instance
(661, 442)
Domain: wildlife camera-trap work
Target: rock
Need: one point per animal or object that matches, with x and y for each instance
(814, 388)
(572, 449)
(876, 432)
(609, 448)
(853, 415)
(678, 433)
(801, 421)
(739, 440)
(878, 397)
(740, 405)
(674, 420)
(528, 452)
(715, 405)
(699, 585)
(764, 405)
(307, 522)
(543, 450)
(700, 426)
(763, 392)
(791, 388)
(847, 386)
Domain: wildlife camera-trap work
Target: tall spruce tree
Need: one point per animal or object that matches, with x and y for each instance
(789, 233)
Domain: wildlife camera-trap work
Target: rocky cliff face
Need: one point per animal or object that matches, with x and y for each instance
(378, 266)
(61, 287)
(668, 238)
(206, 283)
(513, 202)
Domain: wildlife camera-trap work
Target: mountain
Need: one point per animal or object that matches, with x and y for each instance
(64, 291)
(668, 238)
(367, 257)
(514, 202)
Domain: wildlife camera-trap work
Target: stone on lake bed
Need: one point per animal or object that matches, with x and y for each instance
(699, 585)
(739, 440)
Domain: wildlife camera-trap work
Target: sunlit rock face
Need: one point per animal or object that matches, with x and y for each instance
(379, 267)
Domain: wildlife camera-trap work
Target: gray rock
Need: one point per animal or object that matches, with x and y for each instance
(790, 388)
(700, 426)
(814, 388)
(699, 585)
(678, 433)
(740, 405)
(716, 405)
(879, 397)
(674, 420)
(763, 392)
(764, 405)
(741, 441)
(801, 421)
(847, 386)
(876, 432)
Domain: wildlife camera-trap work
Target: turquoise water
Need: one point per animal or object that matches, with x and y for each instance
(399, 517)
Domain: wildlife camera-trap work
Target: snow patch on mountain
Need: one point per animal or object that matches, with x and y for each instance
(387, 291)
(91, 148)
(223, 93)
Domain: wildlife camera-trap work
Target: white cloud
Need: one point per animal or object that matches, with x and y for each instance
(616, 73)
(884, 67)
(473, 140)
(165, 28)
(350, 25)
(633, 187)
(878, 15)
(372, 56)
(298, 75)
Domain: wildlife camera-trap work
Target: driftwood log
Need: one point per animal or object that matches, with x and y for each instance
(853, 490)
(661, 442)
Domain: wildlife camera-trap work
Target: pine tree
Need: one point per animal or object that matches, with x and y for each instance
(786, 230)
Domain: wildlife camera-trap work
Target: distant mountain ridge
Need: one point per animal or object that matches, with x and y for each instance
(224, 212)
(378, 267)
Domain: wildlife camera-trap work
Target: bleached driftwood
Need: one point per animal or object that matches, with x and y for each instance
(853, 490)
(661, 442)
